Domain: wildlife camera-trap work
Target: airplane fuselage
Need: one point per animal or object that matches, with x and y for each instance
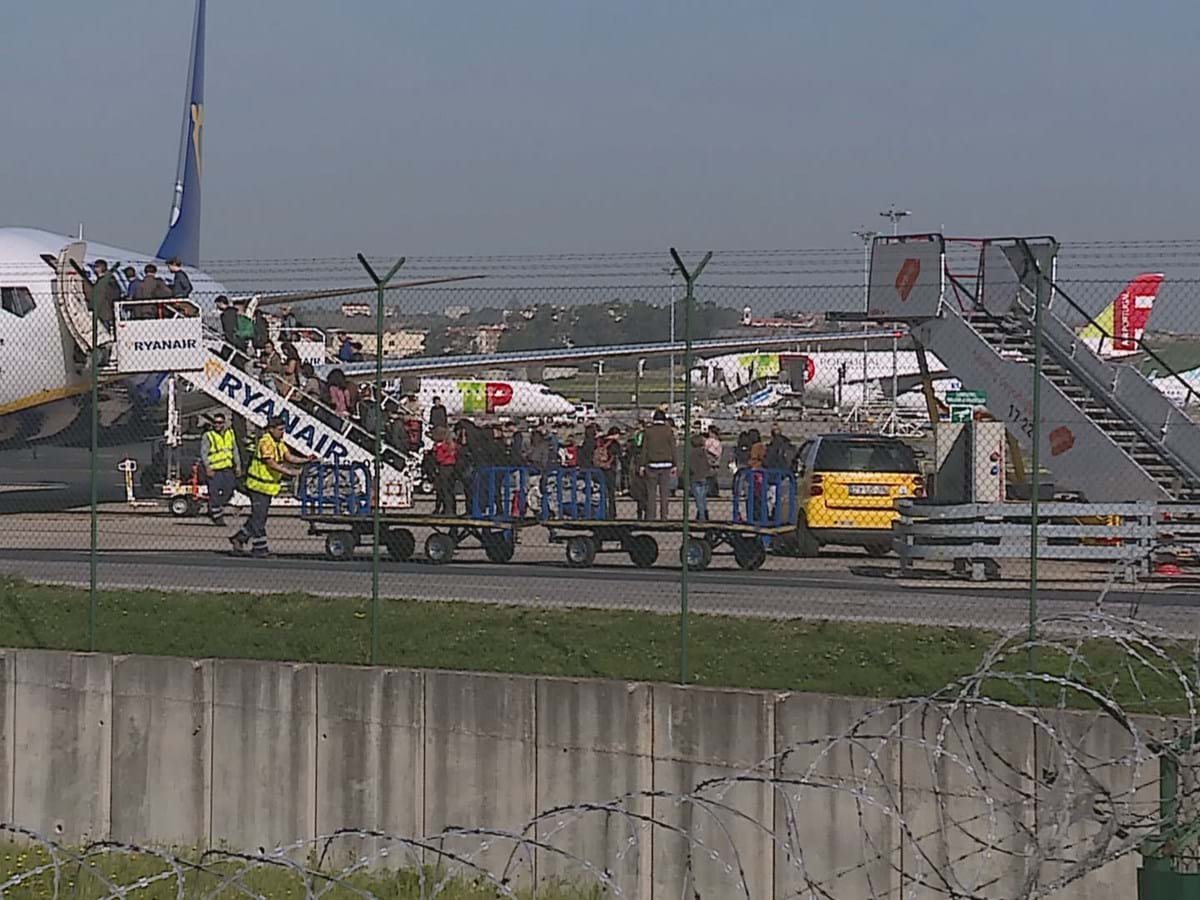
(43, 374)
(474, 397)
(829, 376)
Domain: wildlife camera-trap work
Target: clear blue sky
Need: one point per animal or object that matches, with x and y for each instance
(515, 126)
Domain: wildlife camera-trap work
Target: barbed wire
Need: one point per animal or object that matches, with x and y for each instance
(848, 258)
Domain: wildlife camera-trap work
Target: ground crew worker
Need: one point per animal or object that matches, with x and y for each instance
(264, 479)
(222, 463)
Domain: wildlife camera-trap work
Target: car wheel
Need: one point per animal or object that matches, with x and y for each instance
(805, 542)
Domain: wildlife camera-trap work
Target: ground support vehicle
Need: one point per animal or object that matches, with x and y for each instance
(335, 501)
(764, 509)
(849, 487)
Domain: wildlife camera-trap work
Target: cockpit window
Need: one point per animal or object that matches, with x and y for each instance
(17, 300)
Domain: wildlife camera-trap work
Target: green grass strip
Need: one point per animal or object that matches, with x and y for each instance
(854, 659)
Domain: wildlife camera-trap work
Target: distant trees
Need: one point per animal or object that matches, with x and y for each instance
(616, 322)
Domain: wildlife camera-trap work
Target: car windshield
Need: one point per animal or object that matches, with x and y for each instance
(865, 456)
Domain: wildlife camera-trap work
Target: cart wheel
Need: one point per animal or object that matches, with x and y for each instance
(400, 544)
(806, 543)
(181, 506)
(340, 545)
(439, 548)
(877, 550)
(581, 551)
(643, 551)
(426, 486)
(698, 554)
(749, 553)
(498, 546)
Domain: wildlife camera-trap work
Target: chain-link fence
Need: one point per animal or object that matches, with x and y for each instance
(276, 458)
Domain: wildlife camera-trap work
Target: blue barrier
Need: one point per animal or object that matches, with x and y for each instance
(501, 493)
(570, 493)
(765, 498)
(340, 489)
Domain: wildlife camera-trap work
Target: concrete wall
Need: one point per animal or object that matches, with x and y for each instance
(8, 688)
(162, 742)
(260, 755)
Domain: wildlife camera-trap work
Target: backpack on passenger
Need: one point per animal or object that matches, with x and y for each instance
(601, 457)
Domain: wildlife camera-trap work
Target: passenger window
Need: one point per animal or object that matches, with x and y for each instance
(17, 300)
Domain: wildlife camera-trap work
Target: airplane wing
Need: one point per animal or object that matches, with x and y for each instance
(334, 293)
(906, 383)
(432, 365)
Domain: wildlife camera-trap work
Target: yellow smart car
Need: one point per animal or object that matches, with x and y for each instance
(848, 488)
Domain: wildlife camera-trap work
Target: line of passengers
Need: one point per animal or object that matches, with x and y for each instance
(107, 289)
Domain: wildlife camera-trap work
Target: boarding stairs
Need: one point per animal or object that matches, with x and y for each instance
(762, 391)
(312, 427)
(181, 346)
(1107, 432)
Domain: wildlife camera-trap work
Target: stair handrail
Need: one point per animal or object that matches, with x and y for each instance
(349, 424)
(750, 387)
(1145, 348)
(1056, 289)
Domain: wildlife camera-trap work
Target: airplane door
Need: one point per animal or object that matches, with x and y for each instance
(794, 371)
(71, 300)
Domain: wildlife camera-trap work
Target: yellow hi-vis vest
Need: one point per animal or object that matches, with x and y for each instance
(220, 449)
(261, 477)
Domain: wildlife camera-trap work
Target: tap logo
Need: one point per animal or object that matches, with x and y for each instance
(906, 278)
(485, 396)
(1061, 440)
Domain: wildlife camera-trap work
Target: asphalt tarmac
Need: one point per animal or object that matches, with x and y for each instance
(51, 478)
(152, 550)
(44, 537)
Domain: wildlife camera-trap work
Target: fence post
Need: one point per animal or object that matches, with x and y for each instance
(93, 474)
(380, 287)
(1041, 298)
(94, 442)
(689, 300)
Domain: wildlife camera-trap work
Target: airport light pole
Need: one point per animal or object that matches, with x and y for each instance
(380, 286)
(895, 215)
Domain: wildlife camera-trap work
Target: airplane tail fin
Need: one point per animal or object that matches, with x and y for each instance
(183, 232)
(1121, 324)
